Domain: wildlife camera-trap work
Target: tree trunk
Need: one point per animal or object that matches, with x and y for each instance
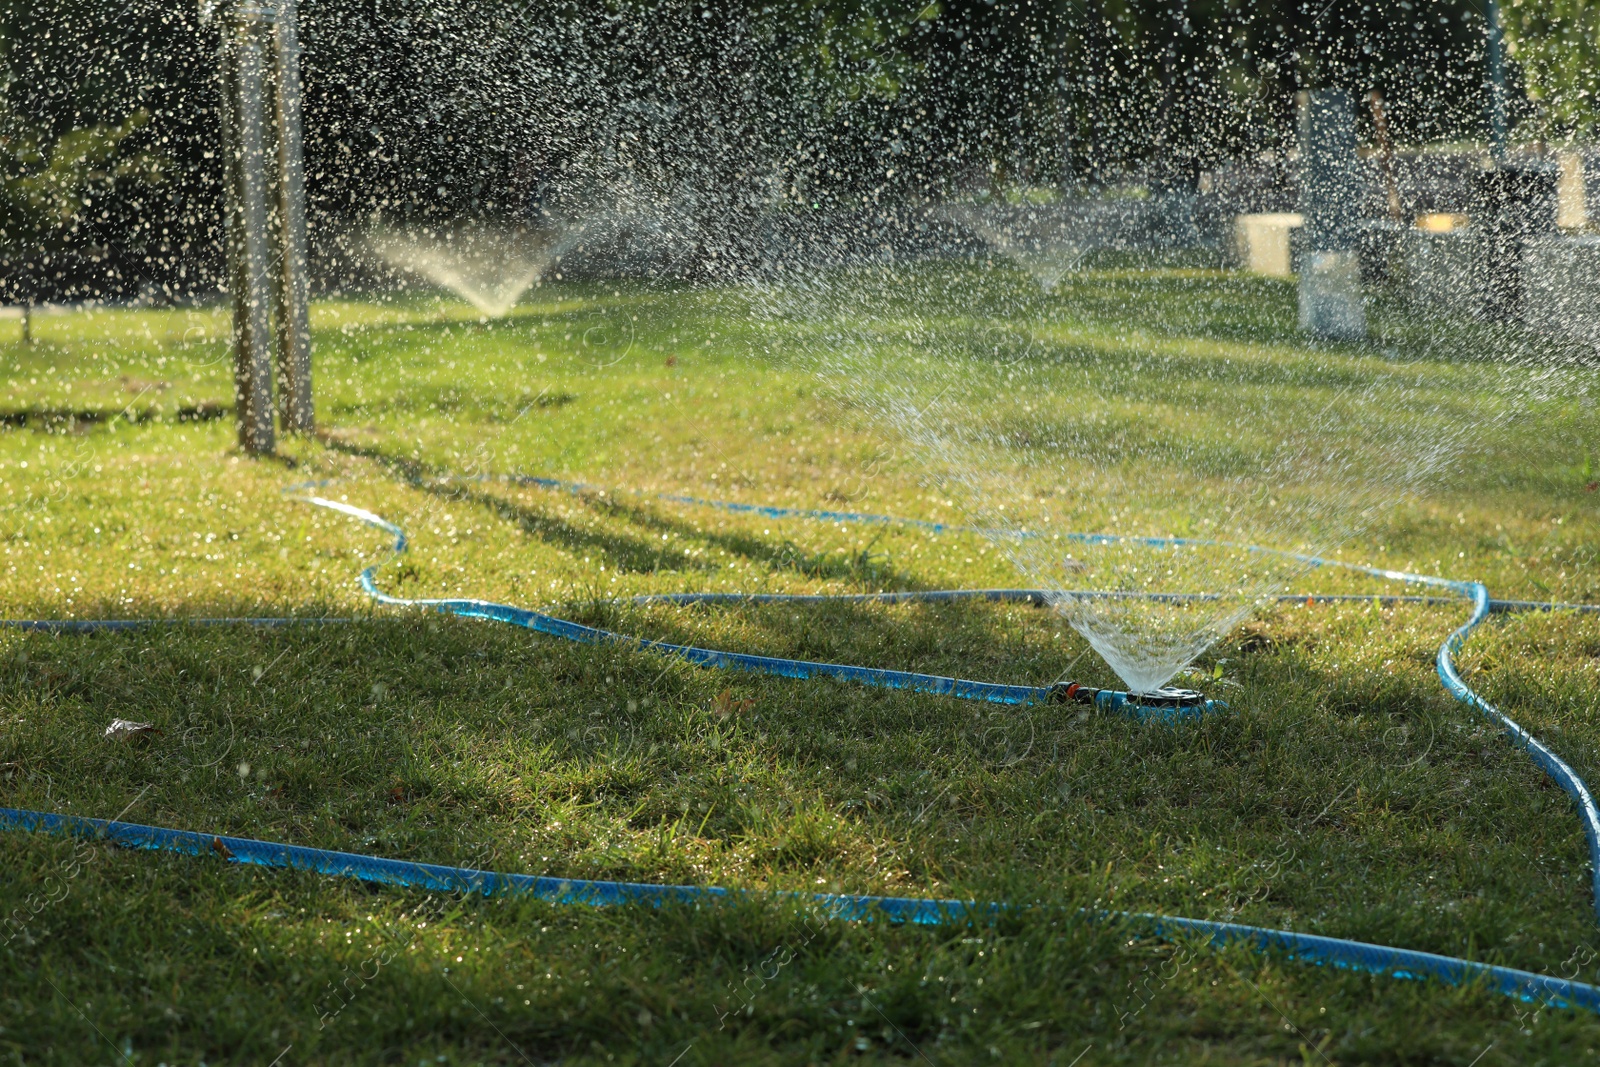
(27, 322)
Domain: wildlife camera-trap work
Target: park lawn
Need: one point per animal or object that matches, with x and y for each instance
(1343, 794)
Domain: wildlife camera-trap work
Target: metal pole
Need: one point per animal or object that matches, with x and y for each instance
(1495, 55)
(1066, 102)
(249, 253)
(291, 291)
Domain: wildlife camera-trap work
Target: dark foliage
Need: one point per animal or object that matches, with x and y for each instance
(706, 118)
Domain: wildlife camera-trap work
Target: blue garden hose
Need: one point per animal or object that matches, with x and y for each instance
(1307, 948)
(1354, 955)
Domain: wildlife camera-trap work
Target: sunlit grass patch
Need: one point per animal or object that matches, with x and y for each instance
(1344, 793)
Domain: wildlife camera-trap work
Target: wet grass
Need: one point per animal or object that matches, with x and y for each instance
(1344, 794)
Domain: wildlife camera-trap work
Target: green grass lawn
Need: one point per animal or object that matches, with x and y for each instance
(1344, 794)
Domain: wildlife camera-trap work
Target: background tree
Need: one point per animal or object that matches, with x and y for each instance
(427, 111)
(142, 74)
(48, 190)
(1557, 45)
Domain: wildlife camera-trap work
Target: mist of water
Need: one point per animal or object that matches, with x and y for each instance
(827, 176)
(1159, 487)
(1046, 247)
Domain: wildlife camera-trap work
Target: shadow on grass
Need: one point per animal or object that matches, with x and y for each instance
(1331, 790)
(632, 554)
(954, 640)
(80, 420)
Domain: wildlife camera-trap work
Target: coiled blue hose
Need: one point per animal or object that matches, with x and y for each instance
(1354, 955)
(539, 622)
(1547, 760)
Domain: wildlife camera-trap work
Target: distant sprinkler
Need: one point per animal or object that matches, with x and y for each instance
(266, 217)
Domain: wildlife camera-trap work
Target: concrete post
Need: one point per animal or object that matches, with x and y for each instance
(1331, 303)
(245, 133)
(291, 291)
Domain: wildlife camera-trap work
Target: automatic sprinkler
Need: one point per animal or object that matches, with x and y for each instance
(1169, 704)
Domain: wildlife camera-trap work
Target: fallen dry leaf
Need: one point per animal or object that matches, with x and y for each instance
(127, 730)
(724, 704)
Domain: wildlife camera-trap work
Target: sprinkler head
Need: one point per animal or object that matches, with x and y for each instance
(1169, 704)
(1170, 697)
